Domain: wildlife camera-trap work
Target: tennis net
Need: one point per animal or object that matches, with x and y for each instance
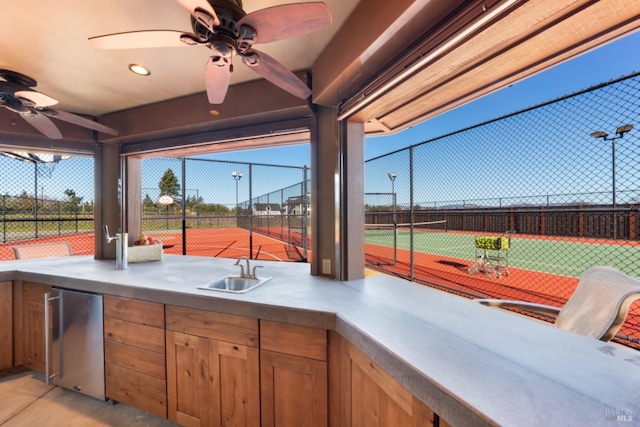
(388, 235)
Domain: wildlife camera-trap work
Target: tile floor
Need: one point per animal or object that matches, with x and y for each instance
(26, 401)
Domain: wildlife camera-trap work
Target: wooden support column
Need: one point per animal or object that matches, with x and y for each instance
(107, 209)
(133, 197)
(324, 192)
(352, 200)
(337, 195)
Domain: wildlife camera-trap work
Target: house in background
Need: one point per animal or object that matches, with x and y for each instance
(269, 209)
(298, 205)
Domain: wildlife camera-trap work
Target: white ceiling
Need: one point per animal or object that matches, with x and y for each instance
(47, 41)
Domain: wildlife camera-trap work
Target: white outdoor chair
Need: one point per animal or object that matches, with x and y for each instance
(42, 250)
(597, 308)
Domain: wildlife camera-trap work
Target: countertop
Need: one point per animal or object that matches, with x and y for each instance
(473, 365)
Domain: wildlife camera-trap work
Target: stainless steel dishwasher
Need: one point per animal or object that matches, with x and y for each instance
(75, 349)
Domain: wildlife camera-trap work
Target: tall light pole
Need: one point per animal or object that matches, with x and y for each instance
(620, 132)
(392, 177)
(237, 176)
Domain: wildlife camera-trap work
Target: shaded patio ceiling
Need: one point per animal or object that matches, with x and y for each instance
(388, 64)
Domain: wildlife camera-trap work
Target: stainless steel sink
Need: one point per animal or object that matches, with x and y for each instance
(235, 284)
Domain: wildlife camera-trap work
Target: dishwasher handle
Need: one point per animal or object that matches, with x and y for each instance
(47, 337)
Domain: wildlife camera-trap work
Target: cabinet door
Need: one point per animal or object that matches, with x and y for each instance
(211, 382)
(370, 397)
(33, 313)
(33, 325)
(188, 394)
(235, 388)
(6, 325)
(294, 390)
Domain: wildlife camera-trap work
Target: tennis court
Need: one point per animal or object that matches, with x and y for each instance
(527, 252)
(210, 242)
(539, 270)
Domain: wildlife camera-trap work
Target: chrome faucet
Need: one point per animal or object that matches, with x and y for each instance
(254, 275)
(250, 274)
(122, 242)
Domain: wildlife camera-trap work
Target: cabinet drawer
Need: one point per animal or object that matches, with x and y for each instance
(293, 339)
(34, 292)
(138, 359)
(136, 389)
(132, 310)
(224, 327)
(141, 336)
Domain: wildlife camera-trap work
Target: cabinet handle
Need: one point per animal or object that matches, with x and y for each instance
(47, 338)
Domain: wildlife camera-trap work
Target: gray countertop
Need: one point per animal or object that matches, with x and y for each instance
(473, 365)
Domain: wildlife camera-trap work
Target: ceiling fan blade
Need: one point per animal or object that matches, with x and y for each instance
(79, 120)
(39, 99)
(138, 39)
(192, 5)
(287, 20)
(217, 78)
(43, 124)
(276, 73)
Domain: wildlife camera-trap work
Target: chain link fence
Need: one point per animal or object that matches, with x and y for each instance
(561, 180)
(46, 198)
(227, 209)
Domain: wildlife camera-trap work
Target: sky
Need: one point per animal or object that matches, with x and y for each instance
(614, 60)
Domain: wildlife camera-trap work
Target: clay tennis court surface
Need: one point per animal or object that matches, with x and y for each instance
(449, 274)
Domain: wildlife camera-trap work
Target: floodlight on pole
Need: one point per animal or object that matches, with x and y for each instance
(392, 177)
(600, 134)
(237, 176)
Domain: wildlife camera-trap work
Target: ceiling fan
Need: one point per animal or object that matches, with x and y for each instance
(17, 94)
(225, 28)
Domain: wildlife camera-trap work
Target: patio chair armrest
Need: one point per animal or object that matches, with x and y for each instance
(527, 306)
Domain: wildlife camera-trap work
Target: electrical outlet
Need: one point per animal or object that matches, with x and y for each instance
(326, 266)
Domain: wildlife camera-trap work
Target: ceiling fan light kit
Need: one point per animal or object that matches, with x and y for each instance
(17, 95)
(225, 28)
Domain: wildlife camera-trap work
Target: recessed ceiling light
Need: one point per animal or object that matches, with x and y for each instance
(214, 112)
(139, 69)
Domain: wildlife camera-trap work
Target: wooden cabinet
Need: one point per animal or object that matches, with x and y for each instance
(6, 325)
(365, 395)
(33, 325)
(135, 354)
(293, 364)
(212, 368)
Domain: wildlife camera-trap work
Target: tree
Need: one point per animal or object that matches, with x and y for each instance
(194, 203)
(169, 185)
(148, 204)
(72, 198)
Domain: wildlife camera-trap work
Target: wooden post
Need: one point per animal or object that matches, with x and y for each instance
(632, 222)
(581, 221)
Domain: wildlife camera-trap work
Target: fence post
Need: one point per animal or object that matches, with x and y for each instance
(76, 219)
(250, 208)
(632, 221)
(412, 210)
(59, 219)
(184, 206)
(305, 212)
(4, 220)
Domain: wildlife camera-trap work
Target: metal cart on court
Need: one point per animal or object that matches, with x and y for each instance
(492, 255)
